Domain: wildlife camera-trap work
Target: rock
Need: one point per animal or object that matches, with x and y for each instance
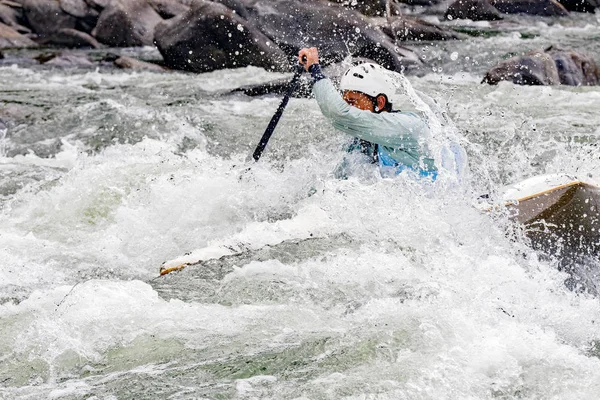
(239, 6)
(10, 16)
(70, 60)
(97, 4)
(407, 28)
(76, 8)
(125, 62)
(10, 38)
(588, 6)
(210, 36)
(168, 8)
(574, 69)
(335, 30)
(73, 39)
(371, 8)
(127, 23)
(550, 67)
(420, 2)
(475, 10)
(47, 17)
(548, 8)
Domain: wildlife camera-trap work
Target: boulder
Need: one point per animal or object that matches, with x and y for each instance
(168, 8)
(127, 23)
(211, 36)
(574, 69)
(73, 39)
(410, 28)
(420, 2)
(475, 10)
(547, 8)
(45, 17)
(97, 4)
(125, 62)
(76, 8)
(10, 38)
(550, 67)
(11, 16)
(588, 6)
(239, 6)
(337, 32)
(371, 8)
(69, 60)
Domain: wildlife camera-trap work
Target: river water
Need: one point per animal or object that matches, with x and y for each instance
(363, 288)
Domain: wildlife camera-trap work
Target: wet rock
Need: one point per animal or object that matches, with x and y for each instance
(475, 10)
(574, 69)
(239, 6)
(420, 2)
(10, 38)
(588, 6)
(211, 36)
(127, 23)
(168, 8)
(73, 39)
(372, 8)
(47, 17)
(335, 30)
(70, 60)
(97, 4)
(548, 8)
(408, 28)
(76, 8)
(550, 67)
(125, 62)
(11, 16)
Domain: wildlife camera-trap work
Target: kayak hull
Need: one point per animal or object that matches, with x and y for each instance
(560, 213)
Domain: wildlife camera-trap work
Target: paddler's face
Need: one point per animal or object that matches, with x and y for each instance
(358, 100)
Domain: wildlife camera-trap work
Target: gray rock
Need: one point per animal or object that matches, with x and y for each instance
(548, 8)
(550, 67)
(76, 8)
(127, 23)
(47, 17)
(210, 36)
(410, 28)
(574, 69)
(73, 39)
(588, 6)
(125, 62)
(337, 32)
(70, 60)
(10, 16)
(239, 6)
(372, 8)
(97, 4)
(476, 10)
(533, 68)
(10, 38)
(168, 8)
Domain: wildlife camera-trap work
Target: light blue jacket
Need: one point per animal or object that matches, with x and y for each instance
(399, 135)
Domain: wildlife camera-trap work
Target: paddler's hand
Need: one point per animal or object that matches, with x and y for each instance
(308, 57)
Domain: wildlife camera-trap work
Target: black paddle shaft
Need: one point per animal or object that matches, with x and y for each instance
(275, 119)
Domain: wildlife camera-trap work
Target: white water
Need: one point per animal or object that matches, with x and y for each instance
(403, 291)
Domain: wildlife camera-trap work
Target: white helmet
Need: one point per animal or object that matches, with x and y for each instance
(373, 80)
(368, 78)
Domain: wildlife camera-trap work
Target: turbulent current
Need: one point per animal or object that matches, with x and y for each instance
(358, 288)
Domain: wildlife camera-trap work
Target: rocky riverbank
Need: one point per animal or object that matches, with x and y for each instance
(201, 36)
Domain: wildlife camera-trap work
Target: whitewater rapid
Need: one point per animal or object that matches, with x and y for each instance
(362, 288)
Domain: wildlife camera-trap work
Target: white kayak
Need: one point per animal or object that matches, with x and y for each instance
(558, 210)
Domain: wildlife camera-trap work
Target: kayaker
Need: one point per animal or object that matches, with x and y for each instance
(394, 139)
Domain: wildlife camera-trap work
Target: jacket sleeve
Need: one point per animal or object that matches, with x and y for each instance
(402, 130)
